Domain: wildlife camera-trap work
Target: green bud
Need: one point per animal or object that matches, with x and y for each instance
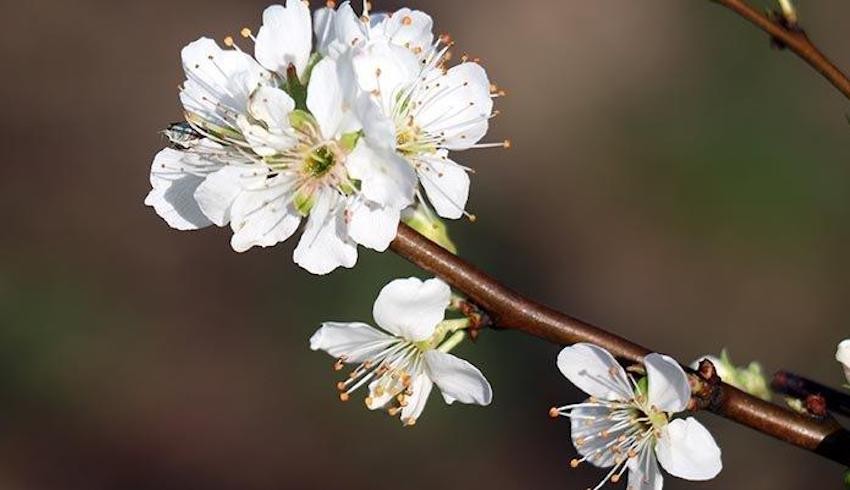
(750, 378)
(423, 220)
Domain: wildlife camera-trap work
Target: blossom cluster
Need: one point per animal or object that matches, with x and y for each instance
(338, 119)
(348, 123)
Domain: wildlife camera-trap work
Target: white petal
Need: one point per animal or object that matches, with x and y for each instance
(595, 371)
(218, 81)
(669, 390)
(421, 389)
(272, 106)
(216, 194)
(458, 107)
(372, 225)
(446, 183)
(285, 38)
(356, 342)
(842, 355)
(411, 308)
(385, 69)
(385, 177)
(325, 244)
(644, 473)
(324, 29)
(338, 30)
(263, 217)
(687, 450)
(457, 379)
(591, 435)
(173, 182)
(325, 97)
(409, 28)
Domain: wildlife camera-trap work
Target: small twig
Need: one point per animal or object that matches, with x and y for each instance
(508, 309)
(786, 33)
(796, 386)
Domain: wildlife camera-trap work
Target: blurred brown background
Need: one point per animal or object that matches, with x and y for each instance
(672, 178)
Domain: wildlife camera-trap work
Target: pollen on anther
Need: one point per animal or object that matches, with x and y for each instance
(554, 413)
(343, 397)
(574, 463)
(245, 32)
(341, 385)
(407, 20)
(507, 144)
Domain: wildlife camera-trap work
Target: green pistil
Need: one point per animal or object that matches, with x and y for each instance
(319, 162)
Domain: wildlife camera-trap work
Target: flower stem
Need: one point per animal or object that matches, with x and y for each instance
(452, 341)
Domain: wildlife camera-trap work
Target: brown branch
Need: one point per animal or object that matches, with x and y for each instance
(799, 387)
(788, 34)
(510, 310)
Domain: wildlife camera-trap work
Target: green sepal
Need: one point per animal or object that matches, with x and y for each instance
(348, 141)
(301, 119)
(303, 203)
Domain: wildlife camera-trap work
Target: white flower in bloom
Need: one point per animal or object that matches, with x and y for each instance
(260, 164)
(625, 424)
(285, 38)
(401, 361)
(842, 355)
(420, 109)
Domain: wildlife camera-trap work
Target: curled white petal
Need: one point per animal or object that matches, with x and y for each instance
(411, 308)
(372, 225)
(446, 184)
(595, 371)
(285, 38)
(457, 379)
(421, 390)
(325, 244)
(687, 450)
(669, 390)
(386, 178)
(262, 217)
(174, 180)
(644, 473)
(355, 342)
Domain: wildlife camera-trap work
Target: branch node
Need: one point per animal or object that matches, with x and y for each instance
(706, 386)
(479, 319)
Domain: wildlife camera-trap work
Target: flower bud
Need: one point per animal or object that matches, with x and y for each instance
(750, 378)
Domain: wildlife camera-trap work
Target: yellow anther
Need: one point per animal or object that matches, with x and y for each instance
(554, 413)
(245, 32)
(343, 397)
(574, 463)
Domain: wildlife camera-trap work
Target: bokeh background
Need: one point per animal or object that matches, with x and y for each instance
(672, 178)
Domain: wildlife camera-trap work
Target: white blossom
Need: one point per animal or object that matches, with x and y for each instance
(420, 109)
(626, 424)
(400, 362)
(271, 151)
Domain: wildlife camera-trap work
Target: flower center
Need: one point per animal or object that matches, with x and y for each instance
(319, 162)
(409, 140)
